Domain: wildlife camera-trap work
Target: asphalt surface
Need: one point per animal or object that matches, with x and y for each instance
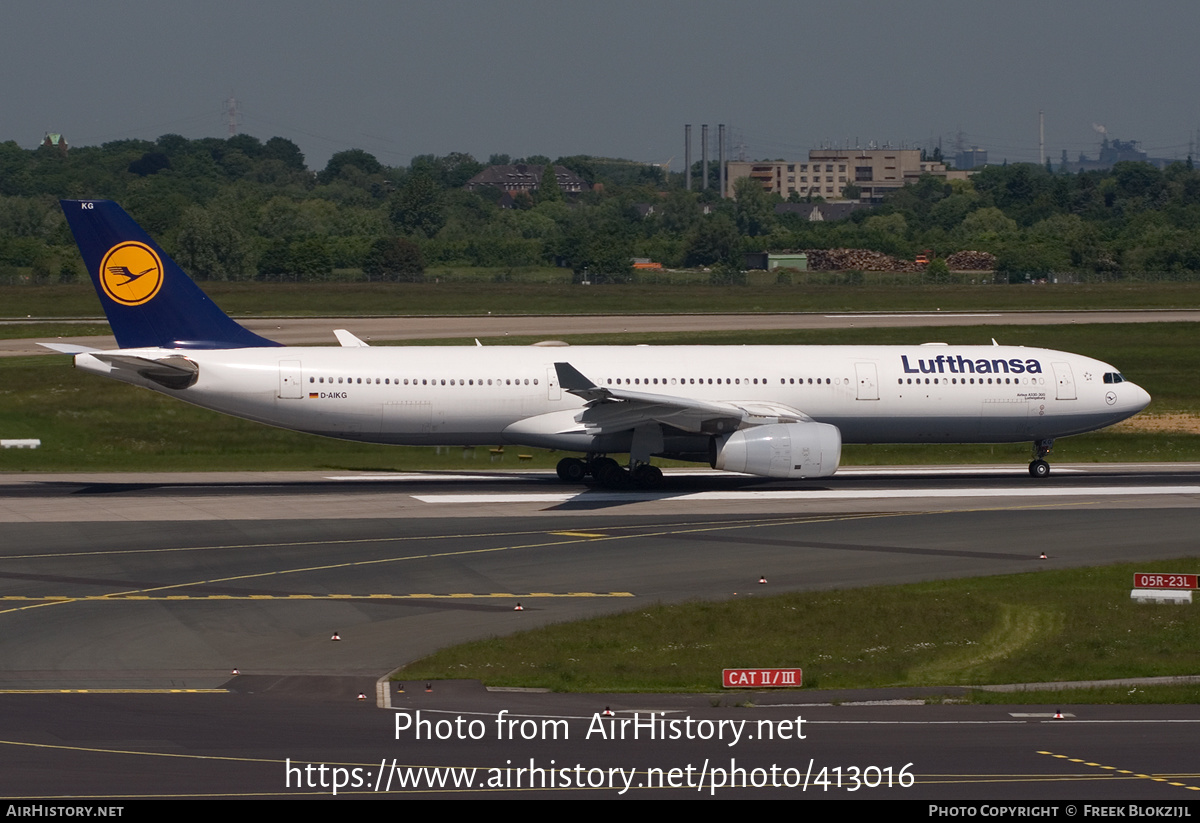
(306, 331)
(114, 586)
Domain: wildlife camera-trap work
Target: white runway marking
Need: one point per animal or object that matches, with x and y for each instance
(815, 494)
(934, 314)
(857, 471)
(427, 477)
(864, 472)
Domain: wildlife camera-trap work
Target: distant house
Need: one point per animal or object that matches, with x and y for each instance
(525, 177)
(55, 141)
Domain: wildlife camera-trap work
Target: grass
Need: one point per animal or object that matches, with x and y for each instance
(88, 423)
(47, 332)
(473, 297)
(1068, 625)
(1141, 695)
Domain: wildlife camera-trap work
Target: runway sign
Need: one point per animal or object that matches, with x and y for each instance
(1164, 581)
(761, 678)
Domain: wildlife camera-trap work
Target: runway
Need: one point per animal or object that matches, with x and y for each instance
(308, 331)
(172, 581)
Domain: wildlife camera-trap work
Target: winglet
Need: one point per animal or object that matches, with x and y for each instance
(348, 340)
(571, 379)
(149, 301)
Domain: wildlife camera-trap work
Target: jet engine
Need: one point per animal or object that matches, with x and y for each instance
(779, 450)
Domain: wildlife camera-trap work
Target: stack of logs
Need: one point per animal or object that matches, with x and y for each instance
(971, 261)
(856, 260)
(867, 260)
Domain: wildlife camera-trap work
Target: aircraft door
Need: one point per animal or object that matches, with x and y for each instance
(868, 381)
(553, 390)
(290, 381)
(1065, 380)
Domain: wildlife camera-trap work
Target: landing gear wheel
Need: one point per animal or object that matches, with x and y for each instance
(571, 470)
(646, 476)
(1039, 468)
(609, 474)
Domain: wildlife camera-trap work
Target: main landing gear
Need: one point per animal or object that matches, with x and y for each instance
(608, 473)
(571, 470)
(1039, 467)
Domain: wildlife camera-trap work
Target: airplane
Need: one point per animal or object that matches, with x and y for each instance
(769, 411)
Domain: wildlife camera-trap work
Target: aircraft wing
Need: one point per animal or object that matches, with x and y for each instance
(613, 409)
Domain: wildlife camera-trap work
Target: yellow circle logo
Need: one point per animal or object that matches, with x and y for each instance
(131, 273)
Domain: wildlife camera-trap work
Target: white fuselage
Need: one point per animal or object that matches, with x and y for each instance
(506, 394)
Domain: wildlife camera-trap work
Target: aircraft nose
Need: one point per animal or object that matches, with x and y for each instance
(1138, 398)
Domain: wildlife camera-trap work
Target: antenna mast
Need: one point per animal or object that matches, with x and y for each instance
(231, 115)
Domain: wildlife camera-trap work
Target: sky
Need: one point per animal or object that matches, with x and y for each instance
(612, 78)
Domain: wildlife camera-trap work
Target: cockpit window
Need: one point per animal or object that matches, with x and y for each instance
(1113, 377)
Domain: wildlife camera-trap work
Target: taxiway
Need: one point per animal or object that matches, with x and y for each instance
(112, 586)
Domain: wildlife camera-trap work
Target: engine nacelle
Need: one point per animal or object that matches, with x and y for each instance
(780, 450)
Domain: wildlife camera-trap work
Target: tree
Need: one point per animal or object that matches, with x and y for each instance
(275, 262)
(396, 259)
(151, 162)
(173, 144)
(548, 190)
(680, 212)
(310, 259)
(457, 168)
(15, 164)
(715, 240)
(417, 207)
(937, 271)
(209, 247)
(286, 152)
(754, 208)
(610, 258)
(351, 159)
(985, 227)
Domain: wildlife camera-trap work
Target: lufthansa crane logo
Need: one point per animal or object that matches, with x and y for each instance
(131, 273)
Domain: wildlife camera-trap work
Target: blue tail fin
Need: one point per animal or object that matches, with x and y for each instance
(149, 301)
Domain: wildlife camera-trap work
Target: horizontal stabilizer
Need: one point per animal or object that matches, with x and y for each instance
(67, 348)
(173, 372)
